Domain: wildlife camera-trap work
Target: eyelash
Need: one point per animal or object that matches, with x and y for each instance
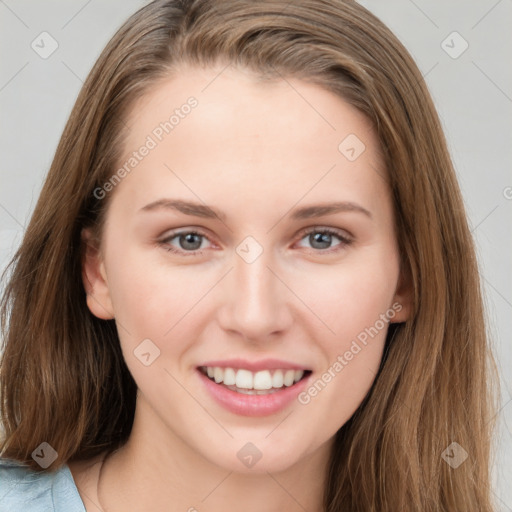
(345, 241)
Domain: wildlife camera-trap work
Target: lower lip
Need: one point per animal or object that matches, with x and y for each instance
(253, 405)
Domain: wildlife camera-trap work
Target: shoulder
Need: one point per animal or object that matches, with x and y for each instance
(22, 488)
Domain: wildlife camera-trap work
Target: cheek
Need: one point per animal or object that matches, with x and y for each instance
(150, 298)
(355, 302)
(353, 357)
(154, 315)
(350, 297)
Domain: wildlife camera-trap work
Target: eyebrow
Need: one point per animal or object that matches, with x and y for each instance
(186, 207)
(308, 212)
(208, 212)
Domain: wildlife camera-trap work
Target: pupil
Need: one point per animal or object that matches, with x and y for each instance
(189, 239)
(321, 238)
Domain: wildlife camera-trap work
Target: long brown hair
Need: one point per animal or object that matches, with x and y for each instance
(63, 379)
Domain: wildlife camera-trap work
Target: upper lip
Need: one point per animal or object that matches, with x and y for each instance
(254, 366)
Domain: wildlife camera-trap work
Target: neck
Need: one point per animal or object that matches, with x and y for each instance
(157, 470)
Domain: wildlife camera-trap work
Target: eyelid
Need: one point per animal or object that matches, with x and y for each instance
(169, 235)
(341, 233)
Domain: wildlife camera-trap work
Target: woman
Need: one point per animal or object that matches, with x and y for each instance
(320, 345)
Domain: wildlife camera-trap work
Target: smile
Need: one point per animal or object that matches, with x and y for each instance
(258, 389)
(247, 382)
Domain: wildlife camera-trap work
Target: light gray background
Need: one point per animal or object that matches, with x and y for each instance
(473, 94)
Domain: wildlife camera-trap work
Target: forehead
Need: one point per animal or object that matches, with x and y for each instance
(222, 127)
(230, 98)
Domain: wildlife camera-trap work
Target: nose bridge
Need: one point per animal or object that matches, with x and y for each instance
(256, 303)
(254, 281)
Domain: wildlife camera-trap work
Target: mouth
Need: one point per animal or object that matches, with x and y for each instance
(246, 387)
(262, 382)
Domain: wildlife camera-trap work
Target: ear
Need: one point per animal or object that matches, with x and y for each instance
(403, 299)
(94, 278)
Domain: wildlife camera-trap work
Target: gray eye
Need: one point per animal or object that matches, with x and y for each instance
(190, 241)
(320, 240)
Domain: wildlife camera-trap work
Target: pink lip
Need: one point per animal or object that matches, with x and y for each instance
(255, 366)
(252, 405)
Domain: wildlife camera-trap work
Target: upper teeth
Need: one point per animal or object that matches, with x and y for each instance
(245, 379)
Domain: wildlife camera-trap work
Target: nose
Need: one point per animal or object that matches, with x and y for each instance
(256, 301)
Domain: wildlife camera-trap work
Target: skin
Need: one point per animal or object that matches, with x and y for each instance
(255, 151)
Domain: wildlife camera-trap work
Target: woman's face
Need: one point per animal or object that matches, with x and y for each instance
(252, 239)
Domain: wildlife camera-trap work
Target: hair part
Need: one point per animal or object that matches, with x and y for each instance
(63, 379)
